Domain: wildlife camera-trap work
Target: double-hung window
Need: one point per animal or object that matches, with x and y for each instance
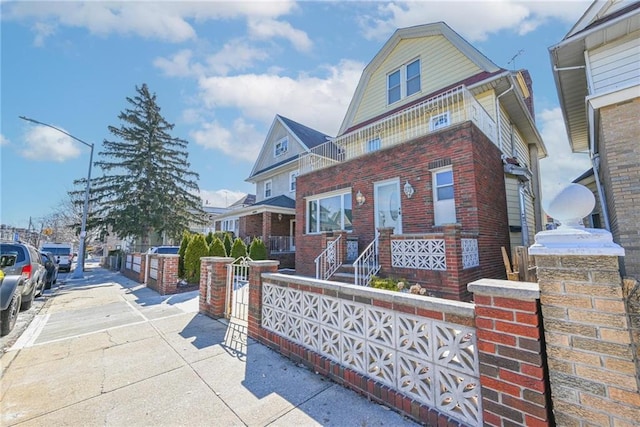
(373, 145)
(330, 212)
(292, 180)
(444, 205)
(403, 82)
(281, 147)
(267, 189)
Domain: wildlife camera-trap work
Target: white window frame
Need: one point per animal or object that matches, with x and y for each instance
(268, 188)
(317, 198)
(444, 207)
(373, 145)
(439, 121)
(292, 180)
(402, 70)
(281, 147)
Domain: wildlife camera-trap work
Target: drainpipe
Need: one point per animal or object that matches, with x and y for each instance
(595, 164)
(498, 115)
(523, 214)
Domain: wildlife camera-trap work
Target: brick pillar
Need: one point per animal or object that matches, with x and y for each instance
(213, 285)
(256, 268)
(143, 268)
(384, 248)
(169, 265)
(510, 346)
(266, 227)
(592, 359)
(453, 254)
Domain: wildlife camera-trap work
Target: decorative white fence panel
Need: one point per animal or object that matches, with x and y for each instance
(422, 254)
(470, 255)
(433, 362)
(129, 262)
(153, 268)
(137, 261)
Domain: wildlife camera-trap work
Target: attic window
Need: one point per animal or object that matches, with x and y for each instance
(281, 147)
(439, 121)
(403, 82)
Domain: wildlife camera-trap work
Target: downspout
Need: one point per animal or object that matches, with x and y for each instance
(498, 114)
(595, 164)
(523, 214)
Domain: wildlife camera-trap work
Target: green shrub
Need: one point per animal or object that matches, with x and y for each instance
(209, 238)
(257, 250)
(217, 248)
(196, 249)
(186, 237)
(239, 249)
(389, 283)
(227, 243)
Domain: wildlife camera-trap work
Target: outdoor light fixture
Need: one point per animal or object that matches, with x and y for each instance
(408, 190)
(279, 217)
(360, 199)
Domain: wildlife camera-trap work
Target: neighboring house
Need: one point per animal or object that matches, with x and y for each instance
(273, 215)
(211, 212)
(439, 151)
(594, 220)
(597, 73)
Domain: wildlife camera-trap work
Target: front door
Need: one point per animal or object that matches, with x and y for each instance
(292, 235)
(387, 205)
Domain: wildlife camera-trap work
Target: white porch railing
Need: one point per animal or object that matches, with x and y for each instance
(329, 260)
(454, 106)
(367, 264)
(279, 244)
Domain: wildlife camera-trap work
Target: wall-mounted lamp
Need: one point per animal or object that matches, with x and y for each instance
(279, 217)
(408, 190)
(360, 199)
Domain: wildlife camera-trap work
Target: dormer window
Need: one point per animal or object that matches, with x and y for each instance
(281, 147)
(403, 82)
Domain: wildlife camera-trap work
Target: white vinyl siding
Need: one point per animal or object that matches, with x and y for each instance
(615, 65)
(441, 65)
(267, 158)
(513, 209)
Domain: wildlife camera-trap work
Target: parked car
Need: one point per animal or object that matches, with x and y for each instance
(162, 250)
(10, 299)
(63, 252)
(23, 259)
(51, 265)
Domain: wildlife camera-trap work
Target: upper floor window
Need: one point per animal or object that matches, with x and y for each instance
(331, 212)
(403, 82)
(281, 147)
(267, 189)
(373, 145)
(439, 121)
(292, 180)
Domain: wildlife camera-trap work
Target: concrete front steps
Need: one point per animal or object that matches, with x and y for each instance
(344, 274)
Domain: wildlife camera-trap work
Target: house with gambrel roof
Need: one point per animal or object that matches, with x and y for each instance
(596, 68)
(434, 170)
(272, 216)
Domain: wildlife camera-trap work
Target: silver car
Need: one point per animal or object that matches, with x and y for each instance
(24, 260)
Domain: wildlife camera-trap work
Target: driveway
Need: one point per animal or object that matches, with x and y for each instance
(107, 351)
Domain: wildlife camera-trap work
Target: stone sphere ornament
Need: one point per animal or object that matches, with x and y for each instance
(570, 205)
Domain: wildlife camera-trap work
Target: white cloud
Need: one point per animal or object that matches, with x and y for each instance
(241, 142)
(4, 140)
(43, 143)
(220, 198)
(270, 28)
(561, 166)
(163, 20)
(479, 20)
(234, 55)
(179, 65)
(317, 102)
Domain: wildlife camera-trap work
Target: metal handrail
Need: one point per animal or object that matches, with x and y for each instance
(367, 264)
(329, 260)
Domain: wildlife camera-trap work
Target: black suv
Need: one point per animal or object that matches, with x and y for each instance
(24, 260)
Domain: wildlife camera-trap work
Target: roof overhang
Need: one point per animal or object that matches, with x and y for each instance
(570, 72)
(254, 210)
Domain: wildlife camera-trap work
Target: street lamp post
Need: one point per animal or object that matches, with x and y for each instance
(79, 270)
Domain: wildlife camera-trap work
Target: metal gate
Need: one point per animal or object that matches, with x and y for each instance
(237, 304)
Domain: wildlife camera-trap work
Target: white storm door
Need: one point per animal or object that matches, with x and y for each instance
(387, 205)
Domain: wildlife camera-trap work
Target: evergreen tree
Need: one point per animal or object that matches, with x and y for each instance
(196, 249)
(227, 243)
(239, 249)
(257, 250)
(186, 237)
(209, 238)
(217, 248)
(146, 186)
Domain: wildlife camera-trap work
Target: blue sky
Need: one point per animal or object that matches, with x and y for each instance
(221, 71)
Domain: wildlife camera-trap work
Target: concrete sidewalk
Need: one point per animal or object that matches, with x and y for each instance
(107, 351)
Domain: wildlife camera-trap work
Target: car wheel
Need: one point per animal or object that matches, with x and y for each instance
(28, 300)
(47, 284)
(9, 316)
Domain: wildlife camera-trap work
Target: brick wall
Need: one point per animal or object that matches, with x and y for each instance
(213, 286)
(479, 193)
(620, 156)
